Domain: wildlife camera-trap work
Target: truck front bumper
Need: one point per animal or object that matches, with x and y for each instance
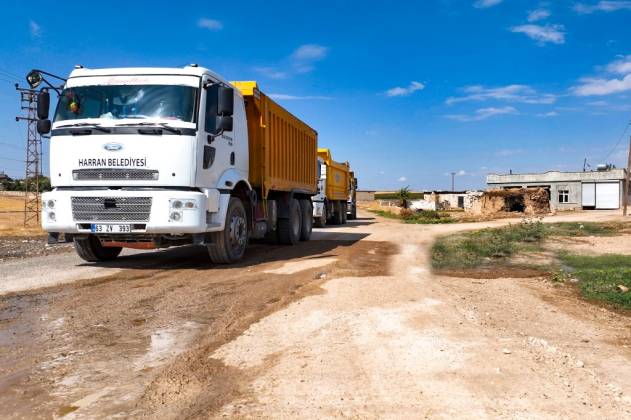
(318, 209)
(146, 211)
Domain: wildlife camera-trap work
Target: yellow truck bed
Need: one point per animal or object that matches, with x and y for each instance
(283, 149)
(337, 177)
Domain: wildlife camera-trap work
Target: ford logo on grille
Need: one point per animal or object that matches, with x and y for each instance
(112, 147)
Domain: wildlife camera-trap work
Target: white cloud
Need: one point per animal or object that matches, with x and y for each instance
(402, 179)
(483, 114)
(210, 24)
(285, 97)
(35, 29)
(600, 87)
(483, 4)
(538, 14)
(300, 61)
(303, 58)
(461, 172)
(549, 114)
(602, 6)
(309, 52)
(620, 66)
(542, 34)
(271, 72)
(607, 84)
(405, 91)
(508, 152)
(510, 93)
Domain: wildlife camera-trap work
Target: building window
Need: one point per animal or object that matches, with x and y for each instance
(564, 196)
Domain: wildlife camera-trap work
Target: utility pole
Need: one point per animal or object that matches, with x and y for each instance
(625, 199)
(28, 105)
(453, 181)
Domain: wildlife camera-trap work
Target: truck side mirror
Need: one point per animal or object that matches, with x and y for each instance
(43, 126)
(219, 109)
(224, 123)
(43, 104)
(225, 101)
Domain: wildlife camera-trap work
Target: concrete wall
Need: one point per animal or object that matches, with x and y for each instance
(556, 176)
(452, 199)
(575, 197)
(365, 195)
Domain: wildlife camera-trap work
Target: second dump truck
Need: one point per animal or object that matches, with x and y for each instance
(334, 182)
(156, 157)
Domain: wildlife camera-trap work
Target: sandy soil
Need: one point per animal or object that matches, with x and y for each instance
(12, 216)
(594, 245)
(352, 324)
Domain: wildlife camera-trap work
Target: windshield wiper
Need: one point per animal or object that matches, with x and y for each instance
(164, 125)
(87, 125)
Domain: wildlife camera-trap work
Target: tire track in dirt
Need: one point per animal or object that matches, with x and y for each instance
(136, 342)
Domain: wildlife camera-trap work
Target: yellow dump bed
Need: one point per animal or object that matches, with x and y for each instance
(283, 149)
(337, 177)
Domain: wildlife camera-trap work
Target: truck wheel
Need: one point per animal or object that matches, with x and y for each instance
(320, 222)
(307, 220)
(289, 229)
(91, 250)
(229, 245)
(337, 213)
(344, 210)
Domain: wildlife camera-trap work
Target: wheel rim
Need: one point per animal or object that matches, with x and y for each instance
(238, 233)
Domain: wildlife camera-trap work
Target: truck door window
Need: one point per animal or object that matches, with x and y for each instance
(210, 116)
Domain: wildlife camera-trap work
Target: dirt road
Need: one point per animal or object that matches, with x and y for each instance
(351, 324)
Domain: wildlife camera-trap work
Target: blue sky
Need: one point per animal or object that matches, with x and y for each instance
(406, 92)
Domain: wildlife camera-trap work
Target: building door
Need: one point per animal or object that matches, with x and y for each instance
(608, 195)
(589, 195)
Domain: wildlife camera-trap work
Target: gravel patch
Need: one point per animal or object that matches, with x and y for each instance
(24, 247)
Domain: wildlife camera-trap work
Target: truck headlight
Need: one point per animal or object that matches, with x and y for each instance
(175, 216)
(178, 204)
(48, 204)
(52, 216)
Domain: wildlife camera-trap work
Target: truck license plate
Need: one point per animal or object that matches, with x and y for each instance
(106, 228)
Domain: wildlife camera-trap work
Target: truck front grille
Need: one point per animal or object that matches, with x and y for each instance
(111, 209)
(115, 174)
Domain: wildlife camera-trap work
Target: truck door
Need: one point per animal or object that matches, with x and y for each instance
(215, 152)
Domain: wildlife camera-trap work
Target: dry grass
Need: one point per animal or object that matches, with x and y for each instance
(12, 217)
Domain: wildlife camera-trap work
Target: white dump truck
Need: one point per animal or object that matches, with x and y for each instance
(156, 157)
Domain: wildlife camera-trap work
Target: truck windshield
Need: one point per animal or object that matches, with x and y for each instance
(127, 101)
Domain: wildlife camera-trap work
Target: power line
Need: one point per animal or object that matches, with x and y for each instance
(10, 74)
(626, 127)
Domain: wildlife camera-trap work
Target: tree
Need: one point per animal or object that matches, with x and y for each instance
(403, 195)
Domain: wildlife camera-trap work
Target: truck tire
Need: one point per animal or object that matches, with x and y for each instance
(307, 219)
(320, 222)
(353, 213)
(289, 228)
(229, 245)
(91, 250)
(344, 211)
(337, 213)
